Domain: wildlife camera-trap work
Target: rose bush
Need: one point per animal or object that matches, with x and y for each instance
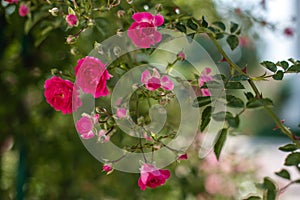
(88, 22)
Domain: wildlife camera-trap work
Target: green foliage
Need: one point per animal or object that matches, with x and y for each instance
(205, 117)
(232, 41)
(288, 148)
(202, 101)
(292, 159)
(284, 174)
(220, 142)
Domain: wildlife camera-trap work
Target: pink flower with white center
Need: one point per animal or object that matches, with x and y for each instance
(91, 76)
(154, 81)
(23, 10)
(84, 127)
(143, 32)
(121, 112)
(11, 1)
(205, 77)
(107, 168)
(71, 19)
(152, 177)
(103, 137)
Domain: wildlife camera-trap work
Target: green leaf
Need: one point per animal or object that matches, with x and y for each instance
(284, 174)
(232, 41)
(288, 148)
(220, 25)
(269, 65)
(212, 29)
(234, 85)
(234, 102)
(249, 95)
(220, 142)
(204, 22)
(205, 118)
(233, 27)
(279, 75)
(201, 101)
(297, 181)
(271, 195)
(192, 25)
(181, 27)
(221, 116)
(219, 36)
(239, 78)
(292, 159)
(253, 198)
(268, 184)
(71, 11)
(256, 103)
(190, 37)
(283, 64)
(233, 122)
(294, 68)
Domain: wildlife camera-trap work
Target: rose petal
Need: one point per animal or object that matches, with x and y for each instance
(166, 83)
(145, 76)
(158, 20)
(143, 17)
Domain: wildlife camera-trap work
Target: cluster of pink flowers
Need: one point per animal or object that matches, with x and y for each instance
(91, 77)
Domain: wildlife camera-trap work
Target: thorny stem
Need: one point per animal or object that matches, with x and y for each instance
(283, 128)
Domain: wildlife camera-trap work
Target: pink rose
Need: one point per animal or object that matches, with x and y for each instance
(11, 1)
(205, 77)
(143, 31)
(91, 76)
(58, 94)
(23, 10)
(84, 127)
(153, 82)
(152, 177)
(107, 168)
(71, 19)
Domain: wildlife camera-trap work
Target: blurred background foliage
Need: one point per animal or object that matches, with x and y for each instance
(42, 156)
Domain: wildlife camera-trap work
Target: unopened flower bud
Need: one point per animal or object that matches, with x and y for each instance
(120, 13)
(71, 39)
(181, 56)
(54, 11)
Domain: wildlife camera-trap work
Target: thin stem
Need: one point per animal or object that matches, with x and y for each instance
(229, 61)
(117, 160)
